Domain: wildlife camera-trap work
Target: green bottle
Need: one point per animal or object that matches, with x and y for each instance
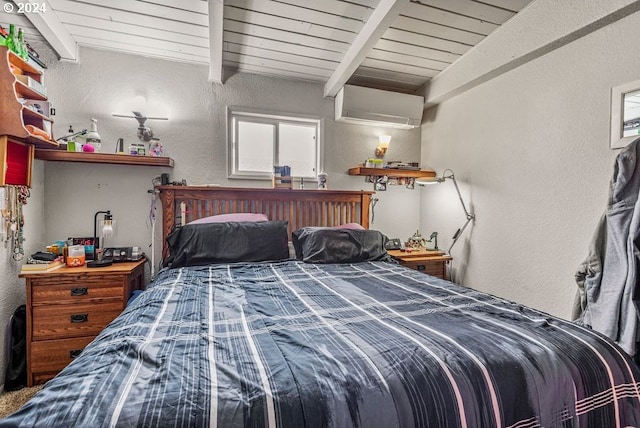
(21, 47)
(11, 38)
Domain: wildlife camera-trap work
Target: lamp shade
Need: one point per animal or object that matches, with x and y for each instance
(384, 140)
(423, 181)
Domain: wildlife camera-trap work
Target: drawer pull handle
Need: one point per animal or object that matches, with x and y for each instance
(74, 353)
(79, 291)
(75, 318)
(421, 267)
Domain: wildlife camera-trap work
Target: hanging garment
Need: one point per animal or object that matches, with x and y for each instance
(607, 279)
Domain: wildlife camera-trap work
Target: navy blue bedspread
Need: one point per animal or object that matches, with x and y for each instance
(368, 345)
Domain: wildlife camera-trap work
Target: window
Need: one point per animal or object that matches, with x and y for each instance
(258, 141)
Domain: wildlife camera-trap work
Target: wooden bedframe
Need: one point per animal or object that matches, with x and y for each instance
(299, 207)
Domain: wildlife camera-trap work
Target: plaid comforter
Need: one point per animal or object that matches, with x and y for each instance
(368, 345)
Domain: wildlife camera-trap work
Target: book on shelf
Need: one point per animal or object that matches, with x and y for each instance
(43, 267)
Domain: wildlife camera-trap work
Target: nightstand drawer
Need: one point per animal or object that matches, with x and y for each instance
(51, 356)
(430, 268)
(47, 291)
(60, 321)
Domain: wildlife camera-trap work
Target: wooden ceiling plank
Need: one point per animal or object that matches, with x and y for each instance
(265, 62)
(334, 7)
(385, 85)
(132, 29)
(473, 9)
(199, 6)
(30, 32)
(141, 9)
(280, 56)
(512, 5)
(367, 3)
(276, 73)
(380, 20)
(125, 39)
(54, 32)
(74, 13)
(291, 11)
(141, 49)
(428, 41)
(216, 30)
(439, 31)
(276, 45)
(283, 36)
(290, 25)
(413, 50)
(375, 73)
(400, 68)
(449, 19)
(402, 58)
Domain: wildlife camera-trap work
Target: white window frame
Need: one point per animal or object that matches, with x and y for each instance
(261, 116)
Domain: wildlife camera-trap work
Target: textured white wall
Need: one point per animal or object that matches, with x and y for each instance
(530, 149)
(195, 137)
(12, 292)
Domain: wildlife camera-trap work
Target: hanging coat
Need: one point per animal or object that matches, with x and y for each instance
(608, 278)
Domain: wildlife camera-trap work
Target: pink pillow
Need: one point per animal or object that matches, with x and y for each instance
(355, 226)
(237, 217)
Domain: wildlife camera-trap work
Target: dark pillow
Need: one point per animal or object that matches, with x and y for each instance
(205, 243)
(335, 245)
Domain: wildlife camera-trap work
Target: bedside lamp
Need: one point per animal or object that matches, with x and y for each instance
(448, 174)
(107, 231)
(383, 145)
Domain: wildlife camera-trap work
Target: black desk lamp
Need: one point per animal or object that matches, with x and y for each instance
(447, 173)
(107, 230)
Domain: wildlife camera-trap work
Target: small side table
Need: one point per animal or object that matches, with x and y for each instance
(431, 262)
(68, 307)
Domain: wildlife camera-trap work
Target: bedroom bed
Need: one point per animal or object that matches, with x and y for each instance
(338, 337)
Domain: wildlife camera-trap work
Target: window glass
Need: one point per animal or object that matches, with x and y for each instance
(255, 146)
(297, 148)
(258, 142)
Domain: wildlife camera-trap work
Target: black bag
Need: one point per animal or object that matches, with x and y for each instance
(16, 375)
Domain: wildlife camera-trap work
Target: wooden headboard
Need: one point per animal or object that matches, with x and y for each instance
(299, 207)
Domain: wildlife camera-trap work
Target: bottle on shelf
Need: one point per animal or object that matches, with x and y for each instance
(11, 38)
(21, 47)
(93, 138)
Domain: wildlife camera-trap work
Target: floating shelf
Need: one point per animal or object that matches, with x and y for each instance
(391, 172)
(109, 158)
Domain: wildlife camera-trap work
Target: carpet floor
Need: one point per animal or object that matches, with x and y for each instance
(12, 401)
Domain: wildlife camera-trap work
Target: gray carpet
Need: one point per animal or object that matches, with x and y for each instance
(12, 401)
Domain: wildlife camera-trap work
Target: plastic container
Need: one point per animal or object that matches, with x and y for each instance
(93, 137)
(76, 256)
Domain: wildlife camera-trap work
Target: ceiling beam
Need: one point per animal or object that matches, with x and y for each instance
(53, 31)
(381, 18)
(216, 19)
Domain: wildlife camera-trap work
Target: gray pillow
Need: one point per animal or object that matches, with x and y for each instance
(336, 245)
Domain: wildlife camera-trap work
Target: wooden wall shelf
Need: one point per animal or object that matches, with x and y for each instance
(391, 172)
(16, 120)
(108, 158)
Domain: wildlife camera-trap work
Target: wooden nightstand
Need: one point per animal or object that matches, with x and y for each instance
(430, 262)
(68, 307)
